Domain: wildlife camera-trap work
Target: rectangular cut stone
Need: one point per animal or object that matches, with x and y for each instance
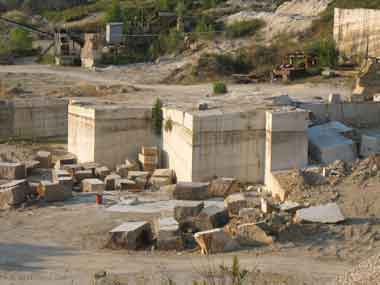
(166, 227)
(13, 193)
(328, 214)
(222, 187)
(252, 235)
(53, 191)
(93, 185)
(64, 161)
(102, 172)
(370, 145)
(235, 202)
(215, 241)
(191, 191)
(126, 184)
(12, 170)
(58, 173)
(83, 174)
(122, 170)
(149, 151)
(130, 235)
(186, 209)
(211, 217)
(67, 183)
(45, 159)
(110, 181)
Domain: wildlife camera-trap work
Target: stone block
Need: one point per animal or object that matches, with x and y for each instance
(215, 241)
(72, 168)
(165, 228)
(67, 184)
(122, 170)
(102, 172)
(211, 217)
(252, 235)
(130, 235)
(45, 159)
(64, 161)
(141, 183)
(58, 173)
(13, 193)
(249, 213)
(111, 181)
(191, 191)
(126, 184)
(80, 175)
(53, 191)
(149, 151)
(222, 187)
(327, 214)
(187, 209)
(90, 166)
(93, 185)
(135, 174)
(335, 99)
(132, 165)
(147, 159)
(30, 166)
(162, 177)
(235, 202)
(12, 170)
(170, 243)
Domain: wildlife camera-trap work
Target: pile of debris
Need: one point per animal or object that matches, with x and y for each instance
(245, 219)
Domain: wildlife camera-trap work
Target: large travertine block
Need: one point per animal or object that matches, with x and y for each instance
(12, 170)
(13, 193)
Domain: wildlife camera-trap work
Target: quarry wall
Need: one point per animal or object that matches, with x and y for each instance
(32, 120)
(356, 31)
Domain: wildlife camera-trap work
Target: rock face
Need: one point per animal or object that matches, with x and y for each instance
(12, 170)
(327, 214)
(214, 241)
(191, 191)
(222, 187)
(162, 177)
(13, 193)
(131, 235)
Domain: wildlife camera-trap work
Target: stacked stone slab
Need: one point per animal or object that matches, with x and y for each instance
(53, 191)
(13, 193)
(93, 185)
(149, 158)
(131, 235)
(167, 234)
(191, 191)
(12, 170)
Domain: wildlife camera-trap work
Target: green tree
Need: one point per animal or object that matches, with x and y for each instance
(115, 13)
(20, 40)
(157, 117)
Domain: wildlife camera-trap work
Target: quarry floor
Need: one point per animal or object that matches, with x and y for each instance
(62, 243)
(140, 85)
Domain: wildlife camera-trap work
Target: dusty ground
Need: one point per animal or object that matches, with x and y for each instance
(63, 243)
(139, 85)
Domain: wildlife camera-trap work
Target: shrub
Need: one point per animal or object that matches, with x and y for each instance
(20, 41)
(115, 13)
(205, 29)
(229, 64)
(244, 28)
(157, 117)
(325, 51)
(220, 88)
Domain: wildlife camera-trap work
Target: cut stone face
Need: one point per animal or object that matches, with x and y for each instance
(191, 191)
(12, 170)
(13, 193)
(93, 185)
(214, 241)
(328, 214)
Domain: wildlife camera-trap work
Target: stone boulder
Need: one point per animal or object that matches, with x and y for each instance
(130, 235)
(53, 191)
(252, 235)
(45, 159)
(93, 185)
(111, 181)
(215, 241)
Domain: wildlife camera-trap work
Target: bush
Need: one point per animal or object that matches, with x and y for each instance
(115, 13)
(244, 28)
(220, 88)
(20, 41)
(229, 64)
(324, 50)
(157, 117)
